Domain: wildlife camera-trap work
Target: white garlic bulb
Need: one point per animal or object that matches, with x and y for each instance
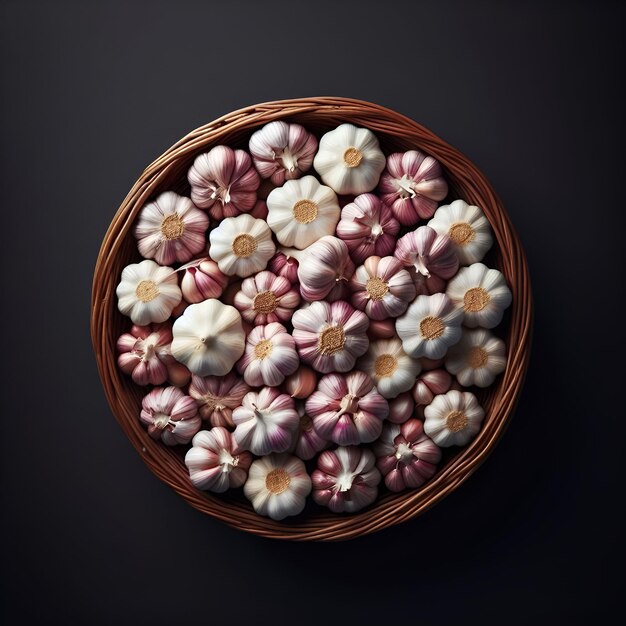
(208, 338)
(467, 227)
(241, 245)
(477, 359)
(453, 418)
(349, 159)
(302, 211)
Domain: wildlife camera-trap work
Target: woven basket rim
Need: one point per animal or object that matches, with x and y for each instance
(462, 174)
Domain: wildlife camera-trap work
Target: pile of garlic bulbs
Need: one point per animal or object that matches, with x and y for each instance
(308, 321)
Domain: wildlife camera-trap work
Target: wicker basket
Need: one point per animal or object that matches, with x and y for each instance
(396, 133)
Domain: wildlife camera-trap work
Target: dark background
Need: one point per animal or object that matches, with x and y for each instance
(92, 93)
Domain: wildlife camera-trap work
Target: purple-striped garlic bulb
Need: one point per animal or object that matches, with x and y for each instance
(401, 408)
(412, 184)
(368, 228)
(325, 269)
(170, 415)
(430, 384)
(282, 151)
(144, 354)
(405, 456)
(170, 229)
(217, 397)
(346, 479)
(302, 383)
(215, 462)
(266, 421)
(307, 441)
(283, 264)
(202, 280)
(330, 336)
(269, 357)
(382, 288)
(224, 181)
(429, 253)
(347, 410)
(265, 298)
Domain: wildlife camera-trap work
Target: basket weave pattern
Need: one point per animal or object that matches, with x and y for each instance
(396, 133)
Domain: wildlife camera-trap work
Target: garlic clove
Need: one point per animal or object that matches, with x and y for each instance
(301, 384)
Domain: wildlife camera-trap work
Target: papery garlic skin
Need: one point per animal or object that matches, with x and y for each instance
(147, 292)
(401, 408)
(266, 421)
(428, 253)
(208, 338)
(224, 181)
(270, 355)
(349, 159)
(307, 441)
(284, 265)
(453, 419)
(302, 211)
(412, 184)
(302, 383)
(392, 370)
(215, 463)
(277, 486)
(324, 270)
(468, 230)
(346, 479)
(477, 358)
(406, 456)
(282, 151)
(241, 245)
(202, 280)
(266, 298)
(481, 294)
(217, 397)
(368, 228)
(347, 410)
(430, 326)
(382, 288)
(170, 229)
(430, 384)
(170, 415)
(330, 336)
(145, 355)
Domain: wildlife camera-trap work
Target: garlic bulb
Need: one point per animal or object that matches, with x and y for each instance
(265, 298)
(382, 288)
(346, 479)
(170, 229)
(269, 357)
(208, 338)
(430, 326)
(302, 383)
(302, 211)
(453, 419)
(144, 354)
(392, 370)
(266, 421)
(429, 253)
(215, 463)
(202, 280)
(467, 227)
(381, 329)
(284, 265)
(405, 456)
(241, 245)
(349, 159)
(217, 397)
(324, 270)
(347, 409)
(430, 384)
(401, 408)
(170, 415)
(412, 184)
(224, 181)
(330, 336)
(277, 486)
(477, 359)
(368, 228)
(147, 292)
(282, 151)
(481, 293)
(307, 442)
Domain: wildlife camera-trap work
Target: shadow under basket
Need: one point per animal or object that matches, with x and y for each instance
(395, 133)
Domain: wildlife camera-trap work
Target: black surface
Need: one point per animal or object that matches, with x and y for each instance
(92, 93)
